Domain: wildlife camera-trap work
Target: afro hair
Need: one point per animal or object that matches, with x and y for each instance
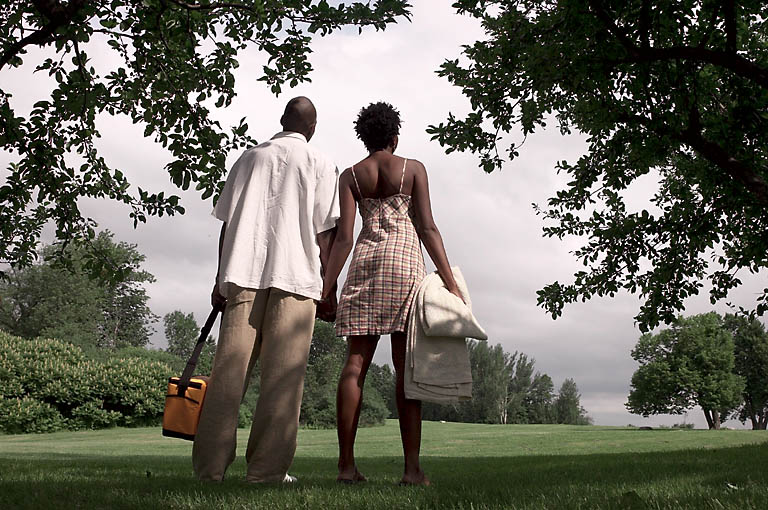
(377, 125)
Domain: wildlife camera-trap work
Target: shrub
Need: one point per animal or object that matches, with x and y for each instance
(93, 416)
(48, 385)
(136, 389)
(167, 358)
(22, 415)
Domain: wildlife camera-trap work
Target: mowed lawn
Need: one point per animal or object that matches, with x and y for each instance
(471, 466)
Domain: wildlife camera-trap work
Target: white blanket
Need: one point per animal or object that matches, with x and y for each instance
(437, 365)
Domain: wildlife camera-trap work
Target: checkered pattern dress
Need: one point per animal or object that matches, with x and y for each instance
(386, 269)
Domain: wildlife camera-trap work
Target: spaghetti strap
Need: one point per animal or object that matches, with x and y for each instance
(356, 184)
(402, 176)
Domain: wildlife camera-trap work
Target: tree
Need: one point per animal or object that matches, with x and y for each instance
(675, 87)
(126, 314)
(751, 363)
(382, 379)
(691, 363)
(181, 333)
(567, 405)
(168, 64)
(520, 372)
(325, 343)
(72, 297)
(539, 402)
(43, 300)
(490, 384)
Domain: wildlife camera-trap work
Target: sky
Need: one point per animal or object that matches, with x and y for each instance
(487, 221)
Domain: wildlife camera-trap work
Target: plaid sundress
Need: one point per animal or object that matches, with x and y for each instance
(386, 269)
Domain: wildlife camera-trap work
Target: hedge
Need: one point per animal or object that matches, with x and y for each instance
(48, 385)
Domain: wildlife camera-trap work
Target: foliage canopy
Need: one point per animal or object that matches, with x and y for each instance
(677, 88)
(165, 64)
(751, 362)
(691, 363)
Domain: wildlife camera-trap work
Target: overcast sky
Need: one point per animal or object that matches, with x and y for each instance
(487, 222)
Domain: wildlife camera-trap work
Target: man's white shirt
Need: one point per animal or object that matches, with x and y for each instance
(278, 196)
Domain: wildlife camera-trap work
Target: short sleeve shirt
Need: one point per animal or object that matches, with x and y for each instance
(278, 196)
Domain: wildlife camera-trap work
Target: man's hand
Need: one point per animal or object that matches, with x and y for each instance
(217, 300)
(326, 308)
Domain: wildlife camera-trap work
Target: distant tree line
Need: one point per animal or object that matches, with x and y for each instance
(507, 389)
(719, 363)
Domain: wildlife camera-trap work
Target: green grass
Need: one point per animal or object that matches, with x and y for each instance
(471, 466)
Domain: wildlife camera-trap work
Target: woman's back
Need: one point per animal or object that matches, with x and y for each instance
(387, 264)
(381, 176)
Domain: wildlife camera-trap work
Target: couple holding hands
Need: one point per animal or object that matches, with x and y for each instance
(288, 225)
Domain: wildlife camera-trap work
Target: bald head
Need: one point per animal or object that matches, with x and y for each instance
(300, 116)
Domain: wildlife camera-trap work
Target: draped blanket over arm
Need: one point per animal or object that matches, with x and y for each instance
(437, 365)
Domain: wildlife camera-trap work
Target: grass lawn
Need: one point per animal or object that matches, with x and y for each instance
(471, 466)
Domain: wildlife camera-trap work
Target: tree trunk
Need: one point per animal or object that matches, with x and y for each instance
(716, 416)
(708, 416)
(751, 411)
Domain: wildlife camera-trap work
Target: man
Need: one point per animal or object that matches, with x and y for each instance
(279, 207)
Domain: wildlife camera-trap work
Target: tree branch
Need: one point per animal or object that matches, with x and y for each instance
(726, 59)
(730, 26)
(737, 170)
(735, 63)
(753, 182)
(58, 15)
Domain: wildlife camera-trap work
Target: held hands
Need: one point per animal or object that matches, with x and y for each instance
(326, 307)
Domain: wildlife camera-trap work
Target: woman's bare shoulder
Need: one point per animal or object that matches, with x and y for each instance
(346, 176)
(415, 166)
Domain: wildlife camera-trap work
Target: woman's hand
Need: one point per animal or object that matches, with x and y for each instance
(456, 292)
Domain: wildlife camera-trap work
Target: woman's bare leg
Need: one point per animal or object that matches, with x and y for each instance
(409, 412)
(349, 400)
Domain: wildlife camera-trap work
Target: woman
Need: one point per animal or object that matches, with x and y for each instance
(386, 269)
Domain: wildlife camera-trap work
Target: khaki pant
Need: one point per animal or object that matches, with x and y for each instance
(276, 327)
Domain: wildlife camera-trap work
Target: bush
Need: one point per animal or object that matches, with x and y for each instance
(23, 415)
(48, 385)
(93, 416)
(167, 358)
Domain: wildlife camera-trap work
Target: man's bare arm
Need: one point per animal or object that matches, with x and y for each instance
(216, 298)
(325, 241)
(326, 309)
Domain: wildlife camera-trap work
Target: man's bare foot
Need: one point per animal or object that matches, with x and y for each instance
(351, 476)
(417, 479)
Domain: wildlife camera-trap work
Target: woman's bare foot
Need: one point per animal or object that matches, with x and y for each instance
(416, 479)
(351, 476)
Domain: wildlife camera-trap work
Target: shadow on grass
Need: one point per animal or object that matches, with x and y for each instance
(735, 477)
